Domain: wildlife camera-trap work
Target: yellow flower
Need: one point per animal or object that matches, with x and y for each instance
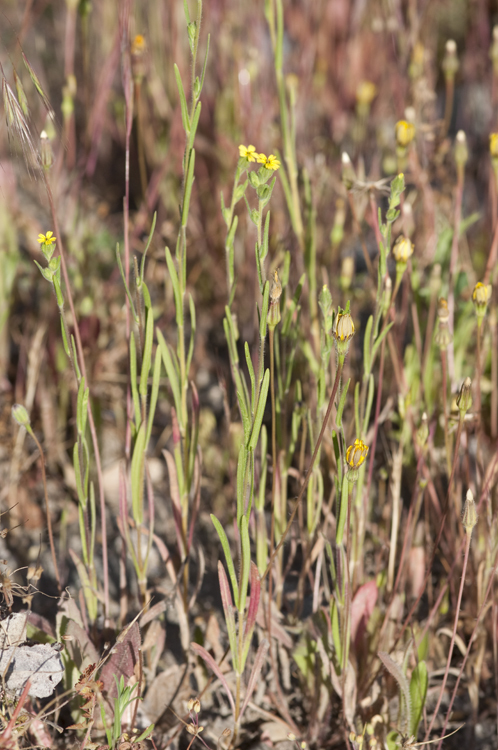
(46, 239)
(493, 144)
(344, 327)
(481, 294)
(356, 453)
(403, 249)
(248, 152)
(405, 133)
(366, 93)
(269, 162)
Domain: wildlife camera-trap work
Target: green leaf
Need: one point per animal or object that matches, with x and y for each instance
(342, 401)
(343, 512)
(228, 557)
(183, 101)
(418, 693)
(149, 240)
(156, 378)
(171, 372)
(137, 475)
(367, 346)
(134, 380)
(195, 123)
(379, 340)
(147, 353)
(251, 374)
(189, 181)
(371, 385)
(193, 326)
(264, 311)
(246, 563)
(258, 417)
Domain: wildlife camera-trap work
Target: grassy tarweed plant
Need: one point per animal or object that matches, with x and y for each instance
(245, 430)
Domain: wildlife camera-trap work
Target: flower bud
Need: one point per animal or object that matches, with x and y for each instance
(344, 327)
(442, 310)
(21, 416)
(355, 456)
(469, 514)
(450, 60)
(405, 133)
(464, 398)
(403, 249)
(138, 51)
(493, 145)
(348, 173)
(461, 150)
(46, 153)
(480, 297)
(274, 315)
(423, 431)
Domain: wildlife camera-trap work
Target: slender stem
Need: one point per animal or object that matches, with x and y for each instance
(439, 535)
(444, 366)
(453, 635)
(47, 508)
(91, 422)
(310, 467)
(448, 107)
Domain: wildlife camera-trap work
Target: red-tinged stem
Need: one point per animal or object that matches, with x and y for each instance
(468, 535)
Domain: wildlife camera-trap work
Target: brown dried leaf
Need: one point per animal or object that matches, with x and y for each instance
(125, 657)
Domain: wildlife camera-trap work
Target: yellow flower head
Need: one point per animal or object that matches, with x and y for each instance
(403, 249)
(493, 144)
(356, 453)
(366, 93)
(138, 45)
(405, 133)
(248, 152)
(344, 327)
(269, 162)
(481, 294)
(46, 239)
(442, 310)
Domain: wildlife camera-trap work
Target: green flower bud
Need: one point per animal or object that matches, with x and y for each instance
(21, 416)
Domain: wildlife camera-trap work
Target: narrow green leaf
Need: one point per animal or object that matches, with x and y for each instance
(137, 475)
(251, 374)
(379, 341)
(193, 324)
(149, 240)
(195, 123)
(147, 354)
(134, 380)
(170, 371)
(264, 311)
(189, 181)
(176, 286)
(258, 417)
(241, 481)
(228, 557)
(418, 693)
(154, 394)
(371, 385)
(343, 511)
(342, 401)
(183, 101)
(366, 345)
(203, 75)
(245, 562)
